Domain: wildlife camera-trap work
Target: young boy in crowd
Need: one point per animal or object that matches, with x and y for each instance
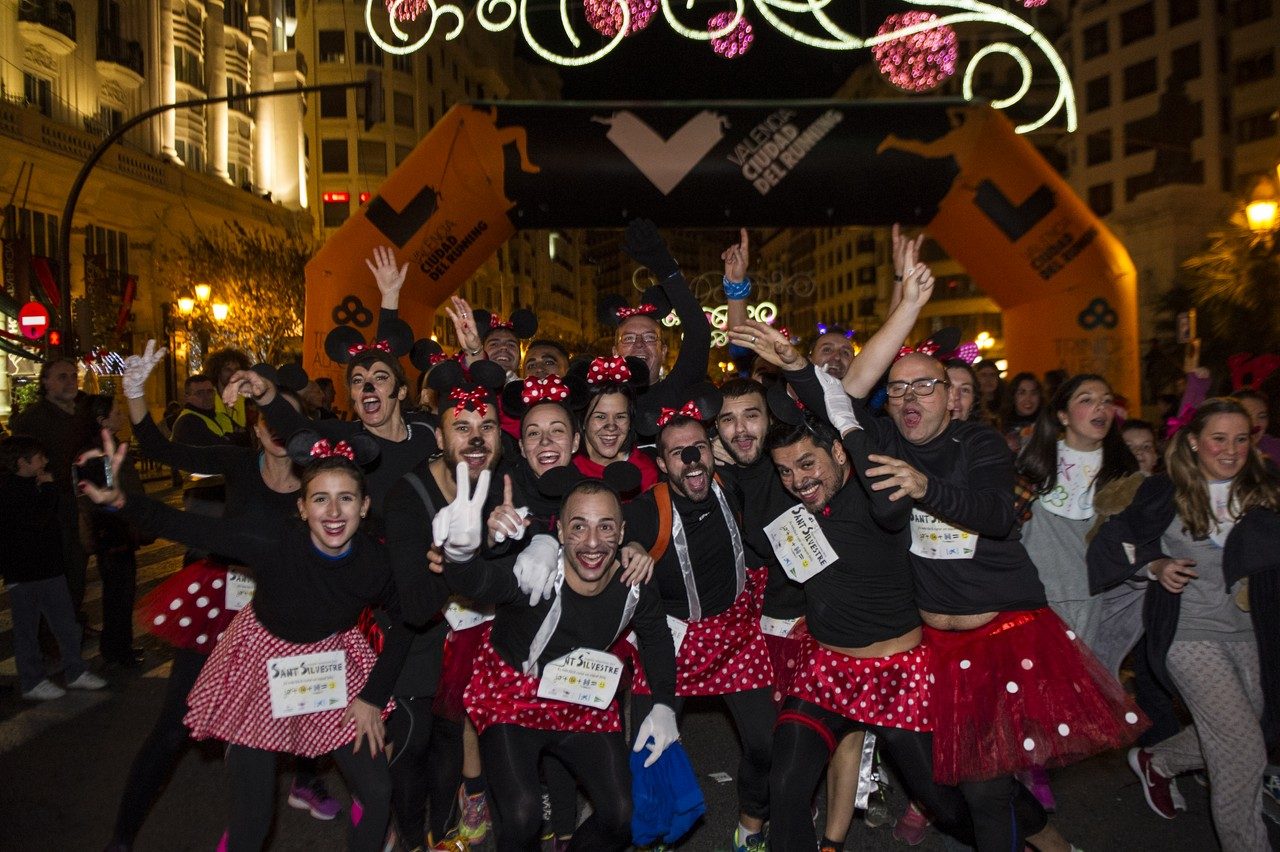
(33, 570)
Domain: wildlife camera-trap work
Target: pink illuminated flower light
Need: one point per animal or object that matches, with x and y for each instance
(409, 10)
(605, 16)
(921, 61)
(737, 41)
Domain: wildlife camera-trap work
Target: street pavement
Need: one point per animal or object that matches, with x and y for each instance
(63, 766)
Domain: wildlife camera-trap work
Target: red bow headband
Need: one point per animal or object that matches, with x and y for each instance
(639, 310)
(550, 389)
(689, 409)
(496, 322)
(473, 400)
(966, 352)
(927, 347)
(604, 370)
(322, 449)
(379, 345)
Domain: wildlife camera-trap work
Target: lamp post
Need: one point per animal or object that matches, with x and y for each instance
(199, 316)
(1260, 212)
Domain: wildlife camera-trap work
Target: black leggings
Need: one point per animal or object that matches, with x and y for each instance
(599, 761)
(251, 781)
(753, 714)
(426, 763)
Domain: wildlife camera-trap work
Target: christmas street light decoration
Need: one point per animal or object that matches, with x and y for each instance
(605, 16)
(920, 62)
(739, 39)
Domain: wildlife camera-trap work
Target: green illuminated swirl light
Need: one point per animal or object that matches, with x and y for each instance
(498, 15)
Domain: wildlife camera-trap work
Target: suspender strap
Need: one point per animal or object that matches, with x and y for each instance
(552, 620)
(421, 488)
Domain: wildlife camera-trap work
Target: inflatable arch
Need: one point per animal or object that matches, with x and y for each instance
(1065, 284)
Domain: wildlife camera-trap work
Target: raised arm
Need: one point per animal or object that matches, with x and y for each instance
(737, 286)
(890, 514)
(217, 458)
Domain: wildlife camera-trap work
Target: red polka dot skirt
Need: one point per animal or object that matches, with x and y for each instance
(890, 691)
(725, 653)
(188, 610)
(498, 694)
(786, 655)
(461, 648)
(1022, 691)
(232, 702)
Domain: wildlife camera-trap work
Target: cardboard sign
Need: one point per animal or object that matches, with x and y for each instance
(307, 683)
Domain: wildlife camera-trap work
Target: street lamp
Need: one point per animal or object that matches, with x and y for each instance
(1260, 211)
(203, 291)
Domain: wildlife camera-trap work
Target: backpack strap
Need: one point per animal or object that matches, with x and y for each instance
(419, 486)
(662, 498)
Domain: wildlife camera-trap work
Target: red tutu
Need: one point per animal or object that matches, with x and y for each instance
(461, 650)
(188, 610)
(231, 700)
(890, 691)
(1018, 692)
(786, 655)
(500, 695)
(725, 653)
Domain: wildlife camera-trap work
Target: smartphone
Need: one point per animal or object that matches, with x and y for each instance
(95, 470)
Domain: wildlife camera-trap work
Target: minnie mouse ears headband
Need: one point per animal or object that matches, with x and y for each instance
(345, 343)
(519, 397)
(621, 478)
(482, 377)
(606, 372)
(702, 403)
(614, 309)
(290, 376)
(522, 323)
(308, 446)
(941, 345)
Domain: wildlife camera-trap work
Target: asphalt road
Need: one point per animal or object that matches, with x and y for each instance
(63, 765)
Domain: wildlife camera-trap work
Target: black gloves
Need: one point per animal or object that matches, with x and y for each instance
(645, 246)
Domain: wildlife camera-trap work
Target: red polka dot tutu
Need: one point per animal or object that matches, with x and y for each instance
(889, 691)
(1021, 691)
(725, 653)
(461, 651)
(500, 695)
(786, 655)
(232, 702)
(188, 610)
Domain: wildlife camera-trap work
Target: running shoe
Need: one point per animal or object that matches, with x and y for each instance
(878, 814)
(475, 823)
(1037, 781)
(750, 843)
(45, 690)
(1155, 787)
(450, 843)
(314, 797)
(87, 680)
(912, 826)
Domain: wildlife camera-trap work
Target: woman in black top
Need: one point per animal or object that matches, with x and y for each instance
(280, 678)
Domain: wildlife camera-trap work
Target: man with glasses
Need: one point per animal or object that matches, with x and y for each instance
(640, 336)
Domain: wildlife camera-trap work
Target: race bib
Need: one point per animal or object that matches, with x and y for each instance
(584, 676)
(777, 626)
(461, 617)
(678, 629)
(935, 539)
(799, 543)
(307, 683)
(239, 591)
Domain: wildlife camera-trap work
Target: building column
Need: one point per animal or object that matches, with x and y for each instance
(168, 80)
(260, 80)
(215, 82)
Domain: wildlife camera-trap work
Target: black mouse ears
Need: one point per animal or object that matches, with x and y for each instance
(481, 375)
(623, 478)
(290, 376)
(783, 406)
(307, 446)
(345, 343)
(519, 397)
(613, 309)
(702, 403)
(523, 323)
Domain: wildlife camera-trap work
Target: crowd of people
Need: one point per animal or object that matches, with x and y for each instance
(489, 594)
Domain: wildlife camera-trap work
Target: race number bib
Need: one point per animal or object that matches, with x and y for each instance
(585, 676)
(799, 543)
(780, 627)
(678, 629)
(239, 591)
(935, 539)
(307, 683)
(461, 617)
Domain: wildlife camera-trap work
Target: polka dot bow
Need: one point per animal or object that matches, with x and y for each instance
(689, 409)
(549, 389)
(469, 400)
(495, 321)
(927, 347)
(379, 345)
(604, 370)
(639, 310)
(322, 449)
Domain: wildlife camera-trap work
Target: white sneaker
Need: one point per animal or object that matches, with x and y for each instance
(87, 680)
(45, 690)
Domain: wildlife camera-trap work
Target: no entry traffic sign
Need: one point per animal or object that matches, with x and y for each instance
(34, 320)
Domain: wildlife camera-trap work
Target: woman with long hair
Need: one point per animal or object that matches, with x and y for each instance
(1196, 531)
(1021, 410)
(962, 394)
(608, 435)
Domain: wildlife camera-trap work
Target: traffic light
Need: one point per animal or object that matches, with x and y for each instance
(55, 338)
(375, 100)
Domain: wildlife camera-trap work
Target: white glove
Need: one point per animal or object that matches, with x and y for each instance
(389, 278)
(505, 530)
(839, 407)
(536, 568)
(660, 726)
(137, 368)
(459, 527)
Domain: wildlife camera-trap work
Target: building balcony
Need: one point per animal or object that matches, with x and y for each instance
(290, 62)
(120, 60)
(48, 24)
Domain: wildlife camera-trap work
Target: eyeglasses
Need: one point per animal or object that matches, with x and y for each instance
(649, 339)
(919, 387)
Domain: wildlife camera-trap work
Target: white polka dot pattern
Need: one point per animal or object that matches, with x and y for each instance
(891, 691)
(188, 605)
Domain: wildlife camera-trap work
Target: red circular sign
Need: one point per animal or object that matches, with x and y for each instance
(34, 320)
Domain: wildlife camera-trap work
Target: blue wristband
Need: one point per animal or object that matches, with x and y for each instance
(736, 289)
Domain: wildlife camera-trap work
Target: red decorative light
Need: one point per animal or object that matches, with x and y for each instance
(336, 197)
(605, 16)
(737, 41)
(1031, 4)
(919, 62)
(408, 10)
(365, 196)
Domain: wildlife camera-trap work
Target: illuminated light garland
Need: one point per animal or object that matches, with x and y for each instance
(498, 15)
(605, 16)
(1032, 4)
(736, 42)
(920, 62)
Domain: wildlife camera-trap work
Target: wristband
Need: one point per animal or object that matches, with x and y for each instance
(736, 289)
(474, 353)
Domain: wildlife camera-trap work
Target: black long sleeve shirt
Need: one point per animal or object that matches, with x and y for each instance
(970, 486)
(695, 345)
(586, 621)
(784, 598)
(302, 595)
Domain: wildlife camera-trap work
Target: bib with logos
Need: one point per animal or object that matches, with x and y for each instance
(935, 539)
(307, 683)
(780, 627)
(799, 543)
(462, 617)
(583, 676)
(239, 591)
